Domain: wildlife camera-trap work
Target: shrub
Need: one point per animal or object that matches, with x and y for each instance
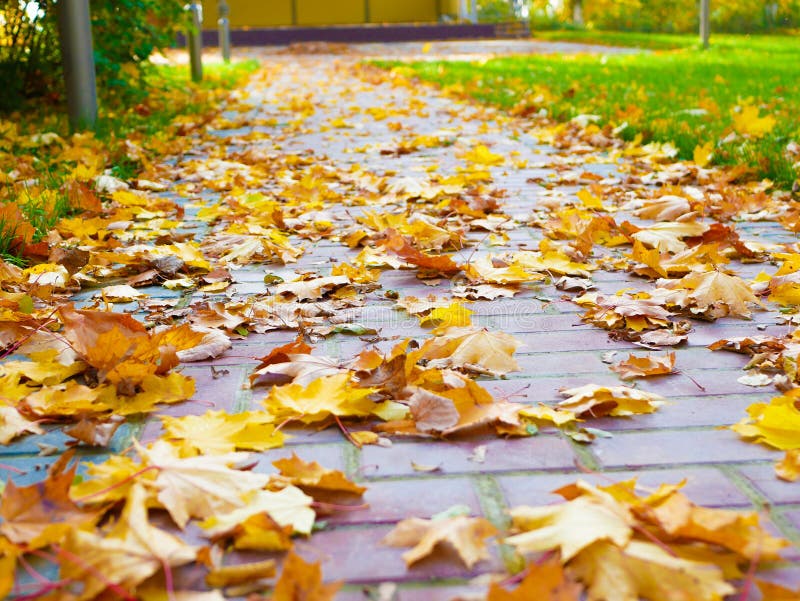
(125, 33)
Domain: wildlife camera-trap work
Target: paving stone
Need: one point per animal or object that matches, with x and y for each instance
(763, 478)
(675, 447)
(535, 453)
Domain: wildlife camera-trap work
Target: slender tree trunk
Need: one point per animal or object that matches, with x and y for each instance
(577, 12)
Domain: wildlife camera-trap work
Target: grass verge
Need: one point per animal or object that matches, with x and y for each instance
(684, 95)
(38, 157)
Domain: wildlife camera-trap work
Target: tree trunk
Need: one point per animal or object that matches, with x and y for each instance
(577, 12)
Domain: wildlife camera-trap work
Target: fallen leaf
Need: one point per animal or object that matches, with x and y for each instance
(465, 535)
(301, 580)
(642, 367)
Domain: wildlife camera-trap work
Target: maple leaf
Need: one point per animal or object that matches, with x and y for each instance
(667, 236)
(314, 289)
(542, 582)
(465, 535)
(664, 208)
(322, 398)
(471, 349)
(483, 271)
(13, 424)
(280, 354)
(714, 293)
(645, 570)
(641, 367)
(288, 507)
(199, 486)
(592, 400)
(702, 155)
(301, 580)
(41, 514)
(299, 369)
(454, 315)
(746, 121)
(219, 432)
(551, 261)
(312, 475)
(615, 312)
(436, 264)
(574, 526)
(678, 518)
(776, 424)
(131, 552)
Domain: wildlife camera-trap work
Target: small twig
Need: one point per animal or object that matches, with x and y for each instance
(347, 434)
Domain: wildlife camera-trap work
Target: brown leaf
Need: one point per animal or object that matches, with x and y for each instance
(42, 513)
(542, 582)
(301, 580)
(431, 412)
(642, 367)
(436, 264)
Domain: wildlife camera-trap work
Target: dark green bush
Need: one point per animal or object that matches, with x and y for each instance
(125, 33)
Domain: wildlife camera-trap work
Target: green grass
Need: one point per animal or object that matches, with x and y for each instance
(656, 93)
(144, 115)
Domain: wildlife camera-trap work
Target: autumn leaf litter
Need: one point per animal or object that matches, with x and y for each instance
(119, 529)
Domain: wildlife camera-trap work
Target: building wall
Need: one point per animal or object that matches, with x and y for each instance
(272, 13)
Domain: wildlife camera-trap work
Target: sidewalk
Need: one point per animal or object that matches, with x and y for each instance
(352, 136)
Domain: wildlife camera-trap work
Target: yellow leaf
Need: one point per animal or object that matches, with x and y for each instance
(747, 122)
(481, 155)
(288, 507)
(703, 154)
(444, 317)
(470, 349)
(789, 467)
(201, 486)
(645, 570)
(776, 424)
(572, 527)
(322, 398)
(217, 432)
(592, 400)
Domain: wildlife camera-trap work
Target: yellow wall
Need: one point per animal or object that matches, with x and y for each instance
(250, 13)
(405, 11)
(330, 12)
(271, 13)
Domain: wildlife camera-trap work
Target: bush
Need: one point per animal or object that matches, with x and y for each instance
(125, 32)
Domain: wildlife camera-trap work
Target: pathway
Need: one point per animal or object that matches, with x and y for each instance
(353, 137)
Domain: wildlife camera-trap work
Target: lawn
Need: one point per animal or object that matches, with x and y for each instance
(677, 93)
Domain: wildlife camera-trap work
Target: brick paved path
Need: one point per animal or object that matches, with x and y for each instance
(682, 440)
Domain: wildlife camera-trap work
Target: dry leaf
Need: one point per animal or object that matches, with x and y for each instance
(466, 536)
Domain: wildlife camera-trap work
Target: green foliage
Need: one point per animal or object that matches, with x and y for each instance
(495, 11)
(668, 16)
(686, 97)
(125, 33)
(29, 54)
